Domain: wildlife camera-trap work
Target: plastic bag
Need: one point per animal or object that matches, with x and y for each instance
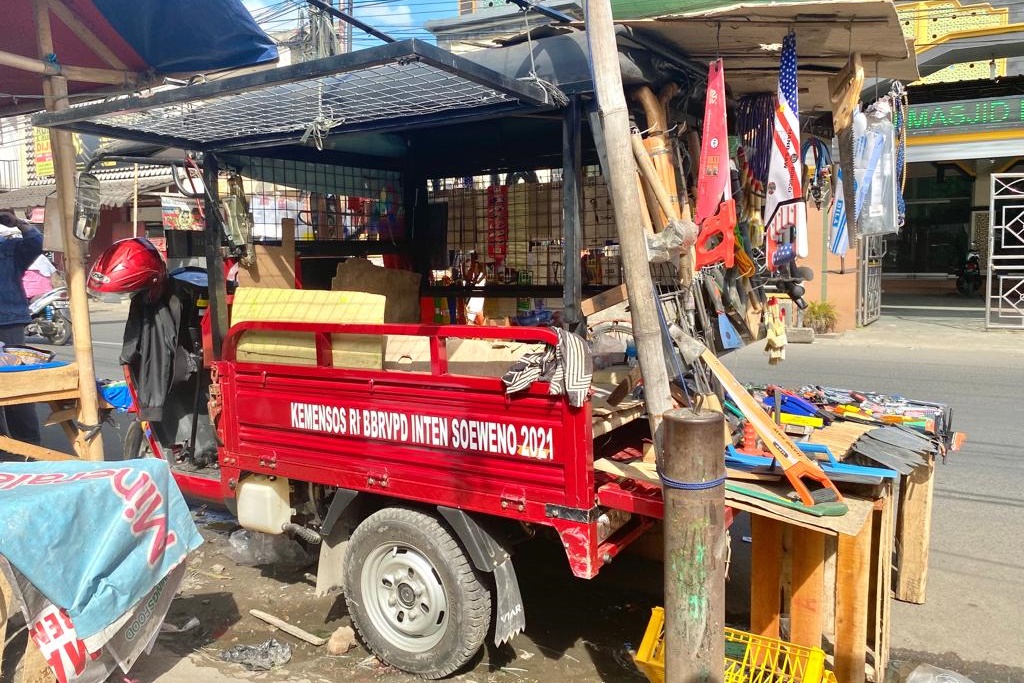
(926, 673)
(253, 548)
(875, 170)
(7, 359)
(607, 350)
(665, 246)
(262, 657)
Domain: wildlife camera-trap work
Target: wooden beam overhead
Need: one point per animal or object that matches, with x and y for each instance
(85, 34)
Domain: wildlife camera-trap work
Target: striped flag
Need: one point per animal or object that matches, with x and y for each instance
(784, 205)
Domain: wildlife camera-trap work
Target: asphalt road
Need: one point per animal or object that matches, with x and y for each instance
(928, 348)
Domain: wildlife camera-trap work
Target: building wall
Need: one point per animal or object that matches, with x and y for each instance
(930, 23)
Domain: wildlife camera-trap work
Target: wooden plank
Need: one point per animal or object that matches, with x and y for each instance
(807, 604)
(290, 629)
(32, 451)
(273, 266)
(59, 415)
(914, 531)
(765, 575)
(882, 593)
(32, 386)
(853, 577)
(828, 611)
(85, 34)
(606, 299)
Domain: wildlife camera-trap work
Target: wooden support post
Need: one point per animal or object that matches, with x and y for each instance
(853, 578)
(56, 91)
(828, 611)
(765, 575)
(914, 532)
(807, 606)
(881, 582)
(604, 60)
(572, 201)
(695, 548)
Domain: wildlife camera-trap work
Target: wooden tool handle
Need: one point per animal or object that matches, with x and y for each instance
(716, 296)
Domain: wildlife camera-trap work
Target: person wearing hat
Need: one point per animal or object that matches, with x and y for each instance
(20, 245)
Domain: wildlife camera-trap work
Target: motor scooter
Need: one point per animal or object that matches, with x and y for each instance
(968, 278)
(51, 317)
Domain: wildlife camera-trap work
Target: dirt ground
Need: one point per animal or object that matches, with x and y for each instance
(577, 631)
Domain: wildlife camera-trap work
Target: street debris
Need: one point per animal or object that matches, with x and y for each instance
(252, 548)
(341, 641)
(262, 657)
(188, 626)
(926, 673)
(290, 629)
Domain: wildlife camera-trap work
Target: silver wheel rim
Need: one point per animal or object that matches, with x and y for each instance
(405, 599)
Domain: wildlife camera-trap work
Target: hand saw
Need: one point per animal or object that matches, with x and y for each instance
(844, 93)
(716, 210)
(795, 465)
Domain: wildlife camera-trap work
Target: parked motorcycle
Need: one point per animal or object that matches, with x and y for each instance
(51, 317)
(968, 277)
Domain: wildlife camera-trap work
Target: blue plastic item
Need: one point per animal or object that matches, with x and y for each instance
(116, 394)
(838, 471)
(794, 405)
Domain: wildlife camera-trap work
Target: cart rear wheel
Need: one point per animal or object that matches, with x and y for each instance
(413, 595)
(136, 445)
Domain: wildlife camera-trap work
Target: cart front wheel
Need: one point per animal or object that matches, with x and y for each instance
(413, 595)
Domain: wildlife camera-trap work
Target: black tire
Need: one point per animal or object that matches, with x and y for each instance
(62, 331)
(136, 445)
(438, 584)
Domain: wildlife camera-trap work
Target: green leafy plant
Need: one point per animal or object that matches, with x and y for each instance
(821, 316)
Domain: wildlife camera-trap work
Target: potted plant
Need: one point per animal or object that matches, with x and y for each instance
(821, 316)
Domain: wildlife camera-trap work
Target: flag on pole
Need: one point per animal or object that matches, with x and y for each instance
(784, 205)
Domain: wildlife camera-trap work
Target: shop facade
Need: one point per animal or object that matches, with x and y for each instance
(953, 148)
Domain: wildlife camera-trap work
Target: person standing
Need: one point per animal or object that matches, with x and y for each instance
(20, 245)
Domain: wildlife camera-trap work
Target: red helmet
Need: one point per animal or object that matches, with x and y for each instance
(128, 266)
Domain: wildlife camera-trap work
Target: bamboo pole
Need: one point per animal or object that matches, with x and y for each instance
(604, 64)
(55, 89)
(75, 73)
(85, 34)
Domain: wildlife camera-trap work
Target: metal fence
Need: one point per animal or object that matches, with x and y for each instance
(10, 177)
(1004, 287)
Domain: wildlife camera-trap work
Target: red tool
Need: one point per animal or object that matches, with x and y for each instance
(721, 226)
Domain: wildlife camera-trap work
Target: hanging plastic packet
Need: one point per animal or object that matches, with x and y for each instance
(875, 169)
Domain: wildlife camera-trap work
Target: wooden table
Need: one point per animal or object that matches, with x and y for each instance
(57, 387)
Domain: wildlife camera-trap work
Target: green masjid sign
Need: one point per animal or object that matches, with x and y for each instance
(966, 115)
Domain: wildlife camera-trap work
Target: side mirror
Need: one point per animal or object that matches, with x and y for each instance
(87, 207)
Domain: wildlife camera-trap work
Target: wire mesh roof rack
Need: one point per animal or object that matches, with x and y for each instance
(395, 86)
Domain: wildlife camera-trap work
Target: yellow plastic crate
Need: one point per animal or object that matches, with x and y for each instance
(748, 658)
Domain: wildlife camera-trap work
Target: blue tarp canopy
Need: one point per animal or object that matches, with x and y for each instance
(152, 36)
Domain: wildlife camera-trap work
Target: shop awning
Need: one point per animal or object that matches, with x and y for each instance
(748, 37)
(127, 36)
(113, 193)
(390, 87)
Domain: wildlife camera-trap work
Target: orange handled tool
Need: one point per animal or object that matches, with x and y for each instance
(795, 465)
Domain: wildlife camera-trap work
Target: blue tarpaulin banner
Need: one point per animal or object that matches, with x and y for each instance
(187, 36)
(94, 538)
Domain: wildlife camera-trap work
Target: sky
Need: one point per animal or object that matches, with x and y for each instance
(399, 18)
